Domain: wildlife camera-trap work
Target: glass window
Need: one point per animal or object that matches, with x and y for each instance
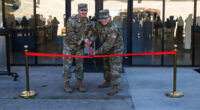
(1, 21)
(18, 18)
(118, 13)
(147, 29)
(2, 45)
(50, 29)
(178, 31)
(197, 36)
(3, 62)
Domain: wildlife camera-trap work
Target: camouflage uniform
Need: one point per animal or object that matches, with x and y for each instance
(112, 43)
(77, 30)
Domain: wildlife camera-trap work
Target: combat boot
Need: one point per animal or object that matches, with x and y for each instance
(113, 91)
(80, 86)
(67, 87)
(105, 84)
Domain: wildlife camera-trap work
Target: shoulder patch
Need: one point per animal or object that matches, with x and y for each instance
(114, 35)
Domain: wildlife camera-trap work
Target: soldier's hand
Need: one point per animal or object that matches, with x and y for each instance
(86, 45)
(94, 53)
(86, 40)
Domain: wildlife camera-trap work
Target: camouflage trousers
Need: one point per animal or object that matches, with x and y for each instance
(67, 64)
(113, 69)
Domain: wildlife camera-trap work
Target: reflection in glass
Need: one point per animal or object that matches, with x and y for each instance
(2, 45)
(197, 36)
(3, 63)
(178, 30)
(1, 21)
(18, 14)
(50, 29)
(147, 29)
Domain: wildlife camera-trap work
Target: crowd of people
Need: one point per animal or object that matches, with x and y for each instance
(46, 28)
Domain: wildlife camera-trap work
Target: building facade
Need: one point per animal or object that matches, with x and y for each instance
(146, 26)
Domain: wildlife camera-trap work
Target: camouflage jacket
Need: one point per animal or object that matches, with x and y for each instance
(76, 31)
(110, 38)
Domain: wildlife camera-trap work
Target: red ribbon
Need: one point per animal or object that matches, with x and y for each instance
(99, 56)
(90, 49)
(138, 54)
(54, 55)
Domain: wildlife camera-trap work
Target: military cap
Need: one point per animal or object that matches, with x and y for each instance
(103, 14)
(82, 6)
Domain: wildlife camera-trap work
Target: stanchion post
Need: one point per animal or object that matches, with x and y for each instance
(27, 94)
(175, 94)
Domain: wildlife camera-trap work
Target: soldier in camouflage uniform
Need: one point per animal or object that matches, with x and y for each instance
(77, 33)
(112, 43)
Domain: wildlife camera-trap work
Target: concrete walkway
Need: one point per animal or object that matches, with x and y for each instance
(49, 84)
(149, 85)
(142, 88)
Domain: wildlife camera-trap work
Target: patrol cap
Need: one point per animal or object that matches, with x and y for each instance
(103, 14)
(82, 6)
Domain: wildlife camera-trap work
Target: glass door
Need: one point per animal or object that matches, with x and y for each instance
(178, 30)
(2, 44)
(197, 36)
(19, 18)
(50, 29)
(147, 31)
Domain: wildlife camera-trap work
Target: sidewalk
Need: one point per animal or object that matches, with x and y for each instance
(150, 84)
(142, 88)
(48, 83)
